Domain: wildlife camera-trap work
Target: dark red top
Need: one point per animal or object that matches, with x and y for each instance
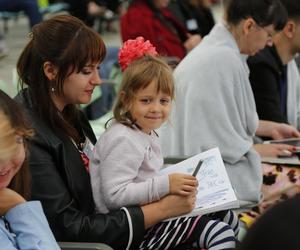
(140, 20)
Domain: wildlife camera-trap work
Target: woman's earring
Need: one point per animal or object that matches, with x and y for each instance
(52, 86)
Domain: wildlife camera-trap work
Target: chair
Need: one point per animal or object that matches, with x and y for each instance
(5, 16)
(83, 246)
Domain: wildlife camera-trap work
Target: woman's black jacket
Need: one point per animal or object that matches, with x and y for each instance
(61, 183)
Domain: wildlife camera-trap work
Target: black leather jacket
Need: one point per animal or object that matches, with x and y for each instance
(61, 183)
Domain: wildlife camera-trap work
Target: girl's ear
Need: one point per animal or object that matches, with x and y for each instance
(249, 25)
(50, 70)
(124, 100)
(122, 97)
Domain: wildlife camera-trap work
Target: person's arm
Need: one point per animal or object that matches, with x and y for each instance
(28, 222)
(274, 150)
(191, 42)
(117, 164)
(276, 130)
(9, 199)
(168, 207)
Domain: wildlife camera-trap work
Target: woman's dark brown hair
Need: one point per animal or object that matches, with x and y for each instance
(69, 45)
(14, 123)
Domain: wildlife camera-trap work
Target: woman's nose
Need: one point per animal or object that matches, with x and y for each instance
(96, 80)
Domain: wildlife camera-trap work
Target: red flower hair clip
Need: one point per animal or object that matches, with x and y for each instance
(134, 49)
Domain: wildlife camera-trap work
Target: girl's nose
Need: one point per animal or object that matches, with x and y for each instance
(155, 106)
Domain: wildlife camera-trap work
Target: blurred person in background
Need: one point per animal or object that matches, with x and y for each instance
(152, 20)
(30, 7)
(196, 15)
(215, 106)
(89, 10)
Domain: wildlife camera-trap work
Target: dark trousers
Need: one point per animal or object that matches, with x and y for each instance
(30, 7)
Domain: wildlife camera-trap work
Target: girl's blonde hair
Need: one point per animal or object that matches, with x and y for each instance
(138, 75)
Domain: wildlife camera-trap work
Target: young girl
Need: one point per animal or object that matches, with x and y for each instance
(23, 224)
(58, 70)
(128, 157)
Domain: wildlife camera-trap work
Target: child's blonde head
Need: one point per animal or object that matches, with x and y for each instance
(138, 75)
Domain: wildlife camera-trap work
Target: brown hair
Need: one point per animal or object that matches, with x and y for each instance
(13, 122)
(138, 75)
(68, 44)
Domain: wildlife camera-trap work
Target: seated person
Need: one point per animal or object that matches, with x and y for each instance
(23, 224)
(63, 141)
(195, 15)
(127, 158)
(30, 7)
(274, 75)
(153, 21)
(215, 106)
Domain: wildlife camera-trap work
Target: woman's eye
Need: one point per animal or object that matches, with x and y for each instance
(86, 71)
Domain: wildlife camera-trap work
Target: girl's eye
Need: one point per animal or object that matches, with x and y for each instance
(145, 101)
(165, 101)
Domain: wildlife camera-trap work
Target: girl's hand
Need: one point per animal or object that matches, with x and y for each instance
(182, 184)
(274, 150)
(8, 200)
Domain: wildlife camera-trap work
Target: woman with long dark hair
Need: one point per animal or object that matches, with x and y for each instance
(58, 70)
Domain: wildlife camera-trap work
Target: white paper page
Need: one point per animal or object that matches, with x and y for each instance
(214, 184)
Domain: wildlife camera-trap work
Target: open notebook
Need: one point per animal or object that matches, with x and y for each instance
(215, 192)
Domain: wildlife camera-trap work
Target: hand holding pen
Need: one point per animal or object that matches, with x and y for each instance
(184, 184)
